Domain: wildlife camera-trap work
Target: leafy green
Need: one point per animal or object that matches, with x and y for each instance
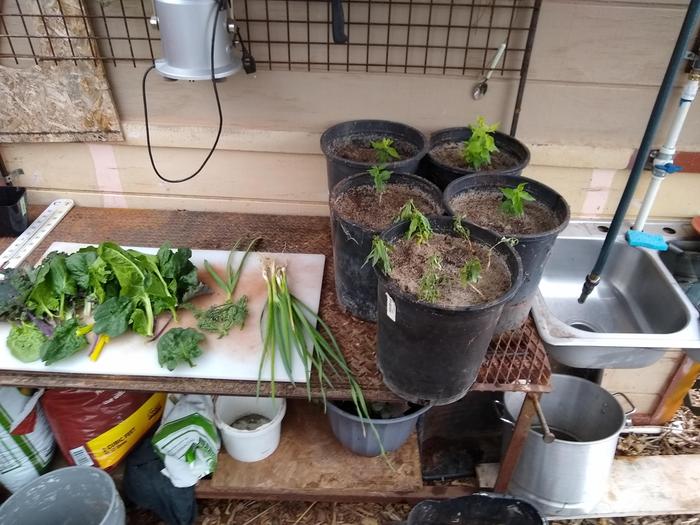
(470, 272)
(384, 150)
(419, 225)
(221, 318)
(90, 272)
(14, 290)
(62, 283)
(514, 200)
(476, 151)
(25, 342)
(179, 345)
(64, 342)
(380, 255)
(429, 283)
(113, 316)
(380, 176)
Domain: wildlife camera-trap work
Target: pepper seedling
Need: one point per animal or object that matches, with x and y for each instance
(380, 255)
(476, 151)
(460, 230)
(419, 225)
(384, 150)
(429, 284)
(380, 176)
(470, 274)
(514, 200)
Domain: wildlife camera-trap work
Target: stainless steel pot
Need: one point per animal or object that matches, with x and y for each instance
(570, 474)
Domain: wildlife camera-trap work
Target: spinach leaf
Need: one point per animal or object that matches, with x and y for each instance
(179, 272)
(62, 283)
(25, 341)
(113, 316)
(179, 345)
(64, 342)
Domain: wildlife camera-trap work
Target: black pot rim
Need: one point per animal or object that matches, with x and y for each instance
(499, 136)
(390, 234)
(524, 236)
(325, 141)
(343, 185)
(413, 415)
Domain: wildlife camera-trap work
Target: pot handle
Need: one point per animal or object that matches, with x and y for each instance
(624, 396)
(501, 412)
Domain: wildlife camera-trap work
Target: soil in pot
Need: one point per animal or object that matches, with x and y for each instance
(250, 422)
(450, 154)
(364, 206)
(358, 148)
(412, 265)
(483, 207)
(379, 410)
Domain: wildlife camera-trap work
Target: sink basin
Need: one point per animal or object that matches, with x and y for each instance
(633, 316)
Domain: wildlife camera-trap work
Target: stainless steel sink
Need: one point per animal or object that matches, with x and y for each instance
(635, 314)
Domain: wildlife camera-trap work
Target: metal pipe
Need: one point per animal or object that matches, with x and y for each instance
(663, 162)
(678, 55)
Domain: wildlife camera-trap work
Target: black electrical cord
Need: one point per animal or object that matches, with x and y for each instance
(219, 7)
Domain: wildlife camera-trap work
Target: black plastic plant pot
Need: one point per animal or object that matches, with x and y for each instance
(428, 353)
(482, 508)
(534, 249)
(355, 281)
(442, 174)
(13, 211)
(412, 144)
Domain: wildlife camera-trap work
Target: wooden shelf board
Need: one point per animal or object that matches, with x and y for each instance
(310, 463)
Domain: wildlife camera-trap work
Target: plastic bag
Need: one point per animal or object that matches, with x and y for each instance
(26, 442)
(100, 427)
(187, 439)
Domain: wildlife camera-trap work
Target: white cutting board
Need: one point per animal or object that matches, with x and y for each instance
(236, 356)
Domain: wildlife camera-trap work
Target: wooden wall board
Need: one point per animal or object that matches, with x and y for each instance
(311, 460)
(62, 100)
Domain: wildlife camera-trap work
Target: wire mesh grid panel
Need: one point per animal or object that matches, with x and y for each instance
(393, 36)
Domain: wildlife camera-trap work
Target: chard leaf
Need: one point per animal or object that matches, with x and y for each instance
(179, 345)
(64, 342)
(139, 323)
(25, 342)
(112, 317)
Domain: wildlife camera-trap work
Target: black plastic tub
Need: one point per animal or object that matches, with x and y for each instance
(534, 249)
(355, 281)
(442, 174)
(429, 353)
(356, 435)
(481, 509)
(364, 131)
(13, 211)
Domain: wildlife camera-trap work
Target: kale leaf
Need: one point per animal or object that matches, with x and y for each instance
(14, 290)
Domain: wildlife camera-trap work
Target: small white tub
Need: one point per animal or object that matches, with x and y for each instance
(249, 445)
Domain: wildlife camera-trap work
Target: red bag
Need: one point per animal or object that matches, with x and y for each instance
(100, 427)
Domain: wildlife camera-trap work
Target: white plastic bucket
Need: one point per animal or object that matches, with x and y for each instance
(249, 445)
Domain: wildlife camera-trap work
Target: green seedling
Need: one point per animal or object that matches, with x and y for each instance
(476, 151)
(380, 176)
(460, 230)
(514, 200)
(429, 284)
(380, 255)
(384, 150)
(419, 225)
(510, 241)
(470, 274)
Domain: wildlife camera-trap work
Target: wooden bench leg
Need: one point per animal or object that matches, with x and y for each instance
(512, 455)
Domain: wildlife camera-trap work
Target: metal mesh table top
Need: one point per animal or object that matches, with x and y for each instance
(515, 361)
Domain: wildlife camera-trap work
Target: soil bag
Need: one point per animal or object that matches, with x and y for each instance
(100, 427)
(26, 442)
(187, 439)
